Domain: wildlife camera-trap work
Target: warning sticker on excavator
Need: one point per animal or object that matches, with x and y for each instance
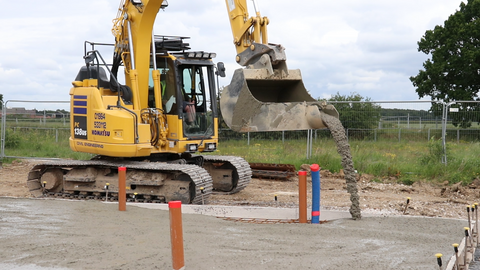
(231, 4)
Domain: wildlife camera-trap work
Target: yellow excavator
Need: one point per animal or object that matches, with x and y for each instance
(165, 113)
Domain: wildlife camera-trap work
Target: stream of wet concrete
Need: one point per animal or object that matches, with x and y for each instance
(338, 133)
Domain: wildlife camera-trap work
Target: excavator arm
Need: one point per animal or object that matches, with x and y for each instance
(246, 30)
(250, 38)
(133, 28)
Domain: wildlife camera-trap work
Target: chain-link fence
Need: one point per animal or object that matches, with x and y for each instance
(391, 121)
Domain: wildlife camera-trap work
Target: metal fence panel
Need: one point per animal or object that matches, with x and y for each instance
(393, 121)
(52, 123)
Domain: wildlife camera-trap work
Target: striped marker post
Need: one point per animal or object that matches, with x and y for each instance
(315, 193)
(176, 234)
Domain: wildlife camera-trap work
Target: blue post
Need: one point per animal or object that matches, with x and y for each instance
(315, 193)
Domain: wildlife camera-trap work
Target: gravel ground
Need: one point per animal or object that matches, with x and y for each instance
(386, 197)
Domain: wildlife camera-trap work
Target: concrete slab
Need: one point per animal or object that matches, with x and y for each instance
(246, 211)
(42, 234)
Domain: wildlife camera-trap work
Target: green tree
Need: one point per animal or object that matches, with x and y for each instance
(1, 101)
(360, 114)
(453, 70)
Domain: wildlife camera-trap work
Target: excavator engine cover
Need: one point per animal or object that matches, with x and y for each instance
(257, 100)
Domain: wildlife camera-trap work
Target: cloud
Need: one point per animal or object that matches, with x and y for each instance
(368, 47)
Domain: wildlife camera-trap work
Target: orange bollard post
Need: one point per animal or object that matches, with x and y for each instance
(122, 192)
(176, 234)
(302, 197)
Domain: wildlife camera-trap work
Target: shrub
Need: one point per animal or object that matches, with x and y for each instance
(12, 139)
(435, 152)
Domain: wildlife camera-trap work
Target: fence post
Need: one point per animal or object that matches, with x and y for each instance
(375, 138)
(2, 135)
(248, 138)
(311, 142)
(458, 135)
(308, 144)
(444, 130)
(399, 134)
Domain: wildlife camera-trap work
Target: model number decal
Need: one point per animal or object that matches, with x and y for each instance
(100, 125)
(80, 130)
(99, 116)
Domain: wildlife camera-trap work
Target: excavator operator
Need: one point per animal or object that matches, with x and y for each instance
(190, 111)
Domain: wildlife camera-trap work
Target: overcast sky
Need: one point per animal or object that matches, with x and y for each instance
(368, 46)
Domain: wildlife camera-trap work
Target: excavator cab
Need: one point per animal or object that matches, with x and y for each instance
(187, 93)
(196, 91)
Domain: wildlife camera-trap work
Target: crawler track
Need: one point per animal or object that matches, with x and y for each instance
(197, 176)
(241, 171)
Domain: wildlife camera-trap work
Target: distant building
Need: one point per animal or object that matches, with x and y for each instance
(20, 111)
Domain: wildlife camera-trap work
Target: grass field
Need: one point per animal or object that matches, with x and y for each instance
(407, 161)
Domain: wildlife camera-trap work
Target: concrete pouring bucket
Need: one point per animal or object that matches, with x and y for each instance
(257, 100)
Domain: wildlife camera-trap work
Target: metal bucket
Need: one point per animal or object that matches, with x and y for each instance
(258, 101)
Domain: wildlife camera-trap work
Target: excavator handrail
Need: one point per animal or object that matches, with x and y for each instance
(92, 44)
